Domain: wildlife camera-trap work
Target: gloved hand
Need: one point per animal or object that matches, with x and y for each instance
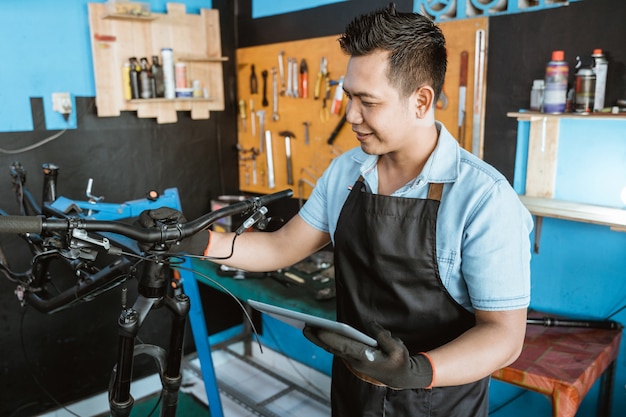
(388, 364)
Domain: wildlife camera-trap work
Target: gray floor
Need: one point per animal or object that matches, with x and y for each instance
(266, 384)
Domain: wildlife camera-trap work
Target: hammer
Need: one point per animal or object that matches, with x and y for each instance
(288, 136)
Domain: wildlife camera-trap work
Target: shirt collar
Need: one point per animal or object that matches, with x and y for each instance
(442, 165)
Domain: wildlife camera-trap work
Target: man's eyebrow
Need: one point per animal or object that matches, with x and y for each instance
(360, 94)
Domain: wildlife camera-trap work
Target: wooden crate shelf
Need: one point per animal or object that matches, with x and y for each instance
(194, 38)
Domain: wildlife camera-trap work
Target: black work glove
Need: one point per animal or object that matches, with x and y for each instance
(388, 364)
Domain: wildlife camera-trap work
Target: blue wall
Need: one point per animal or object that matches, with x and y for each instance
(45, 48)
(580, 269)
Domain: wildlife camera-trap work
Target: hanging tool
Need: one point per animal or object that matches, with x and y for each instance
(289, 92)
(281, 68)
(462, 99)
(325, 111)
(304, 79)
(264, 103)
(479, 67)
(321, 76)
(271, 182)
(288, 136)
(253, 81)
(275, 115)
(294, 74)
(335, 108)
(252, 118)
(261, 115)
(242, 157)
(335, 132)
(254, 174)
(306, 132)
(242, 114)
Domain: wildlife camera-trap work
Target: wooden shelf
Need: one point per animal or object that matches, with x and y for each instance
(130, 17)
(586, 213)
(194, 38)
(534, 115)
(171, 100)
(202, 59)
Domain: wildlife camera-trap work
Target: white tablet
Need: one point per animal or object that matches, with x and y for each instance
(298, 320)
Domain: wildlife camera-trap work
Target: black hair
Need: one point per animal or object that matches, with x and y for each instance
(417, 47)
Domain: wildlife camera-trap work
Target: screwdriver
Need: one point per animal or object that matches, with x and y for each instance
(304, 79)
(242, 114)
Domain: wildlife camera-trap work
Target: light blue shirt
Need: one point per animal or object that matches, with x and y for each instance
(483, 242)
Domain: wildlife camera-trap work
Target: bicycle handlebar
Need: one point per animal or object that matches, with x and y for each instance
(38, 224)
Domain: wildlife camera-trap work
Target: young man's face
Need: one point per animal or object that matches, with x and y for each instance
(382, 120)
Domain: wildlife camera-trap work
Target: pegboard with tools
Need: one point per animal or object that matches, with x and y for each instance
(292, 91)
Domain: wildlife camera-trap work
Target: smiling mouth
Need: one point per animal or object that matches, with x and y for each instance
(361, 135)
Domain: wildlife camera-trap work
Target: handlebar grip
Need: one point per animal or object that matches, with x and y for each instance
(21, 224)
(270, 198)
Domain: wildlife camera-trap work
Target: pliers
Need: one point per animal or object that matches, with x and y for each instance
(322, 76)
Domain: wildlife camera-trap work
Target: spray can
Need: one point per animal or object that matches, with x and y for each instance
(585, 90)
(555, 93)
(169, 85)
(600, 68)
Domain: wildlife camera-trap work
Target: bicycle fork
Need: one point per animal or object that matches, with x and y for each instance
(169, 362)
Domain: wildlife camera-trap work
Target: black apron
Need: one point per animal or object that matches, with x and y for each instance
(386, 271)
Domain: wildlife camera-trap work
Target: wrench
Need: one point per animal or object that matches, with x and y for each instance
(261, 115)
(289, 92)
(264, 101)
(275, 116)
(294, 74)
(281, 68)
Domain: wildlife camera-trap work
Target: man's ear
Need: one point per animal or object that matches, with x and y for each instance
(424, 99)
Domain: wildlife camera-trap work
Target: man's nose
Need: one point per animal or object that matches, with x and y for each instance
(353, 113)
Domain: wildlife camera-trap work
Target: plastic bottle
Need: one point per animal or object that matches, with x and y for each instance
(555, 94)
(600, 68)
(536, 95)
(168, 73)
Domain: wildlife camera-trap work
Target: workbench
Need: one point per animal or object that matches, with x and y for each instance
(299, 297)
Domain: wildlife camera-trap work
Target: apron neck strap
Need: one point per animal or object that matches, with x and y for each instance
(435, 190)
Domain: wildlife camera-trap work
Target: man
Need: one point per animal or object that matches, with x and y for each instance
(431, 244)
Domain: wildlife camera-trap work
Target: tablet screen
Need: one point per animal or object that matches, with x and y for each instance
(298, 320)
